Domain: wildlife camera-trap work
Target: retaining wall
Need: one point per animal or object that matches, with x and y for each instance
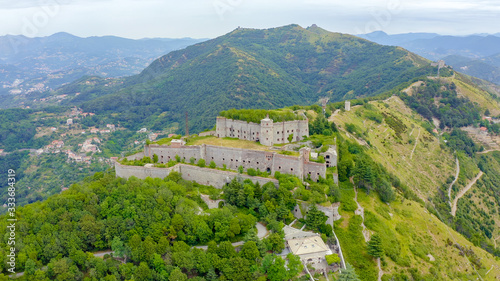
(205, 176)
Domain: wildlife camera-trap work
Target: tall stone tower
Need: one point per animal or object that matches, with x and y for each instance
(347, 105)
(266, 131)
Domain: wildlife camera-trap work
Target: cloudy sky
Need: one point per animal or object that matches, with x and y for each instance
(212, 18)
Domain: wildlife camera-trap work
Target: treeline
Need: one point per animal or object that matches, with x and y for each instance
(255, 115)
(252, 69)
(151, 225)
(478, 226)
(39, 177)
(441, 101)
(355, 163)
(18, 130)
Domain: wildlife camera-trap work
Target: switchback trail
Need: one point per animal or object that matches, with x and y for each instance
(416, 142)
(454, 181)
(462, 193)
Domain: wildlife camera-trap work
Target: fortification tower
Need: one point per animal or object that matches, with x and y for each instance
(220, 127)
(266, 131)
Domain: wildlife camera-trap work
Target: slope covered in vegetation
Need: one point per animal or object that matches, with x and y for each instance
(251, 68)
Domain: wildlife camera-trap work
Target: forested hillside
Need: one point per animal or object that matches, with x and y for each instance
(251, 68)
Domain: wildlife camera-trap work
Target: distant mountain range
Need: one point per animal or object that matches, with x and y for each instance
(475, 55)
(249, 68)
(42, 63)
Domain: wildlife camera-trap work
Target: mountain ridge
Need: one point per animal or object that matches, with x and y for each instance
(267, 68)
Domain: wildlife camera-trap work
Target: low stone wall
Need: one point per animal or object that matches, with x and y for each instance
(124, 171)
(331, 212)
(205, 176)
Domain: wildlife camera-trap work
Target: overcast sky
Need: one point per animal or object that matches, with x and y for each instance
(212, 18)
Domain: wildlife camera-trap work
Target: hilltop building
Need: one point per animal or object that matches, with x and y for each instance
(233, 158)
(267, 132)
(347, 105)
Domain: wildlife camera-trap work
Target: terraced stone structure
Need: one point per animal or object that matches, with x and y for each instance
(267, 132)
(233, 158)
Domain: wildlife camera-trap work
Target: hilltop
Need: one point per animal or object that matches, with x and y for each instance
(31, 66)
(251, 68)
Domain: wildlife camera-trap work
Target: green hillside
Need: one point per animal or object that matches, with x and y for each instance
(252, 68)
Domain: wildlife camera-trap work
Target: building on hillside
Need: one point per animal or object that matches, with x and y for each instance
(308, 246)
(267, 132)
(347, 105)
(233, 158)
(330, 156)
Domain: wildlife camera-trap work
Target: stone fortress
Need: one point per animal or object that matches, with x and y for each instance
(233, 158)
(267, 132)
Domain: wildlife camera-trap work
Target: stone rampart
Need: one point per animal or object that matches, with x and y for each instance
(205, 176)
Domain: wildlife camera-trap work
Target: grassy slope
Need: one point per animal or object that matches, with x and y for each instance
(409, 234)
(425, 169)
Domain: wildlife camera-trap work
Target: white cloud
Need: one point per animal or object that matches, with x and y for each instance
(211, 18)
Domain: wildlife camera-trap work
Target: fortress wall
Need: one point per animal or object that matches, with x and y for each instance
(232, 157)
(331, 212)
(279, 131)
(237, 129)
(315, 170)
(216, 178)
(124, 171)
(261, 160)
(288, 165)
(204, 176)
(297, 128)
(167, 153)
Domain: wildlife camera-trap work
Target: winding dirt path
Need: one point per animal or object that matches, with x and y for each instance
(487, 151)
(454, 181)
(462, 193)
(495, 241)
(366, 234)
(361, 212)
(415, 146)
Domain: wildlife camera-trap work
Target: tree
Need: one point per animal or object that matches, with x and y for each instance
(118, 247)
(277, 270)
(226, 250)
(315, 218)
(143, 273)
(333, 258)
(30, 267)
(155, 158)
(294, 265)
(348, 274)
(250, 251)
(275, 243)
(177, 275)
(201, 163)
(237, 269)
(290, 138)
(375, 246)
(212, 164)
